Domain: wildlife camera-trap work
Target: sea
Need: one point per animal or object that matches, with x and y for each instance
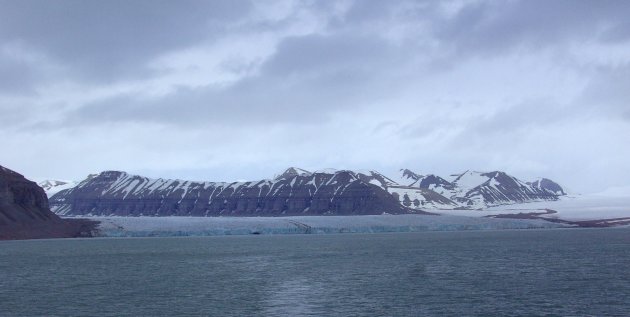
(551, 272)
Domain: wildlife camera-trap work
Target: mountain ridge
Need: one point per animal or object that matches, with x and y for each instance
(297, 191)
(320, 193)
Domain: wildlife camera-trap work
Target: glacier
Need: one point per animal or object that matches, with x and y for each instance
(218, 226)
(571, 207)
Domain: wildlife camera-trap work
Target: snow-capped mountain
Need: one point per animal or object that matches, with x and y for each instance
(293, 192)
(548, 186)
(291, 172)
(297, 192)
(482, 189)
(407, 177)
(52, 187)
(405, 187)
(421, 198)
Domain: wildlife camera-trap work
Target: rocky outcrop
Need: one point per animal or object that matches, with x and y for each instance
(24, 211)
(548, 186)
(294, 192)
(22, 201)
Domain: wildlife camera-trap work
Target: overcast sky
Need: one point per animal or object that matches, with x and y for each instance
(227, 90)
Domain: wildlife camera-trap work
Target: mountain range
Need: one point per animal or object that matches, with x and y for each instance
(297, 191)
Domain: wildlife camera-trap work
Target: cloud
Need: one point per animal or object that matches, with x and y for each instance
(17, 77)
(493, 27)
(238, 89)
(318, 54)
(112, 40)
(607, 92)
(305, 81)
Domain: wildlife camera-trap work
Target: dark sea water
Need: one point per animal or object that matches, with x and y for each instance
(483, 273)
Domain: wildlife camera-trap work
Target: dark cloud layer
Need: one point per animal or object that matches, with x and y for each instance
(495, 26)
(305, 81)
(109, 40)
(17, 76)
(447, 84)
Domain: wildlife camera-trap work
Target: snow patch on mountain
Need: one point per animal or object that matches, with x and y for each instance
(52, 187)
(421, 198)
(469, 180)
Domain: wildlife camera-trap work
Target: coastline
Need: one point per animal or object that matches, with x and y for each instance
(214, 226)
(63, 228)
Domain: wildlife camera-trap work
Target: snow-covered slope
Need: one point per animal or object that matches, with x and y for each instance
(421, 198)
(501, 188)
(52, 187)
(474, 190)
(406, 177)
(571, 207)
(407, 189)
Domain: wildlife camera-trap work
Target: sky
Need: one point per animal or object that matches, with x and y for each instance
(240, 90)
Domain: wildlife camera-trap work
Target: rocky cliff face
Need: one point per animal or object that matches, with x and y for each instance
(22, 202)
(24, 212)
(294, 192)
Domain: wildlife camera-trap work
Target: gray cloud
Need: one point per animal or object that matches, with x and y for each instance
(608, 91)
(110, 40)
(320, 54)
(305, 81)
(492, 27)
(17, 77)
(437, 86)
(524, 117)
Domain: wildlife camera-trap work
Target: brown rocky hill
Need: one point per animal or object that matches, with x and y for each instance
(24, 212)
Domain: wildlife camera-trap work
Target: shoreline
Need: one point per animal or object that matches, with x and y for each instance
(215, 226)
(63, 228)
(171, 226)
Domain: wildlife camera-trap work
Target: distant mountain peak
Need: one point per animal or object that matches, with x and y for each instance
(326, 171)
(548, 185)
(431, 180)
(409, 174)
(53, 186)
(115, 174)
(292, 172)
(471, 179)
